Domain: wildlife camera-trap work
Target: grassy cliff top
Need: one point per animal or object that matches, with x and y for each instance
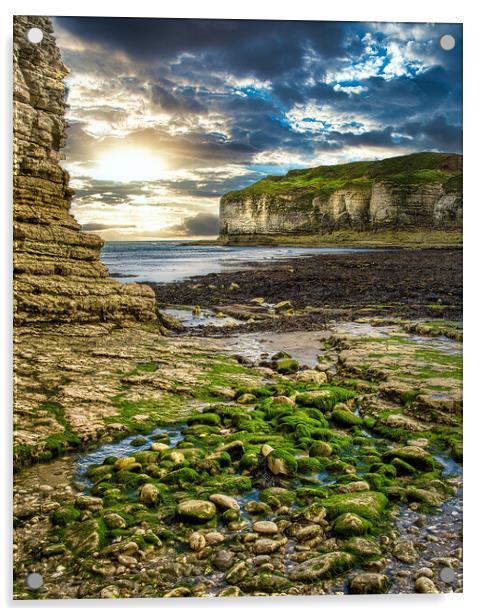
(419, 168)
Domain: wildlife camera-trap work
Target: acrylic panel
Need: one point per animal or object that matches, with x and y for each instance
(238, 307)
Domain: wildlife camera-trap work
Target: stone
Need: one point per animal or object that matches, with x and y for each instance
(197, 510)
(368, 584)
(159, 446)
(363, 547)
(283, 305)
(91, 503)
(355, 486)
(286, 365)
(315, 376)
(83, 537)
(128, 561)
(223, 559)
(266, 449)
(315, 512)
(149, 494)
(308, 532)
(110, 592)
(280, 462)
(176, 456)
(413, 455)
(405, 552)
(178, 591)
(284, 400)
(267, 546)
(321, 567)
(321, 449)
(266, 583)
(349, 524)
(197, 542)
(214, 537)
(265, 527)
(114, 520)
(425, 572)
(123, 463)
(425, 585)
(236, 573)
(246, 399)
(224, 502)
(369, 505)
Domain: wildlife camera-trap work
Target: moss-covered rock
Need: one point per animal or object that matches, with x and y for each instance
(281, 462)
(321, 449)
(149, 494)
(283, 495)
(286, 365)
(350, 524)
(265, 582)
(369, 505)
(197, 510)
(321, 567)
(413, 455)
(345, 419)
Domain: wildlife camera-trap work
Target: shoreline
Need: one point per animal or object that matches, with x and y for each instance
(410, 284)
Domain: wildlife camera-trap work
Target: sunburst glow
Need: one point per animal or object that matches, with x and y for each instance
(128, 165)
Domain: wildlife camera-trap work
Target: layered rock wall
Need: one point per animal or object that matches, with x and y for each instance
(383, 205)
(58, 276)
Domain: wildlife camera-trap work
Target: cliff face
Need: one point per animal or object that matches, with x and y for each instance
(58, 276)
(414, 192)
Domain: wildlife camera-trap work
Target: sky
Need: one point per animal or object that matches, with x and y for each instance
(167, 115)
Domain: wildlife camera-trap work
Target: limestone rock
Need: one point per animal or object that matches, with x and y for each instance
(198, 510)
(58, 276)
(321, 567)
(224, 502)
(379, 202)
(368, 584)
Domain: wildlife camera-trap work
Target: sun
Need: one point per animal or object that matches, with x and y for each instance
(128, 165)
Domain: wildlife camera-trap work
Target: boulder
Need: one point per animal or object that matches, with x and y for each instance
(224, 502)
(321, 567)
(368, 584)
(197, 510)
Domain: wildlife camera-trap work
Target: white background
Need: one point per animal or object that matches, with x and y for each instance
(349, 10)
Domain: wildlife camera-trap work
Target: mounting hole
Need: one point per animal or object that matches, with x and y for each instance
(34, 580)
(447, 42)
(35, 35)
(447, 575)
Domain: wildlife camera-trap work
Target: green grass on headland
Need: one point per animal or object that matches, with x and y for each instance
(418, 168)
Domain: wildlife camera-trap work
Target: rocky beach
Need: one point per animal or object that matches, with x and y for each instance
(293, 428)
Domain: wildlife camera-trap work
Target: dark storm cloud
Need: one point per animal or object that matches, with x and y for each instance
(434, 132)
(201, 224)
(266, 48)
(224, 102)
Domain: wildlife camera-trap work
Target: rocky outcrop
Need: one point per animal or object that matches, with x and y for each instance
(370, 202)
(58, 276)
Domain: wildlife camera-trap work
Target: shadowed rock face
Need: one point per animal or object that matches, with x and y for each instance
(58, 276)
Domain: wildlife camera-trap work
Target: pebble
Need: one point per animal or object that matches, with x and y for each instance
(425, 585)
(265, 527)
(223, 559)
(197, 542)
(213, 538)
(424, 572)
